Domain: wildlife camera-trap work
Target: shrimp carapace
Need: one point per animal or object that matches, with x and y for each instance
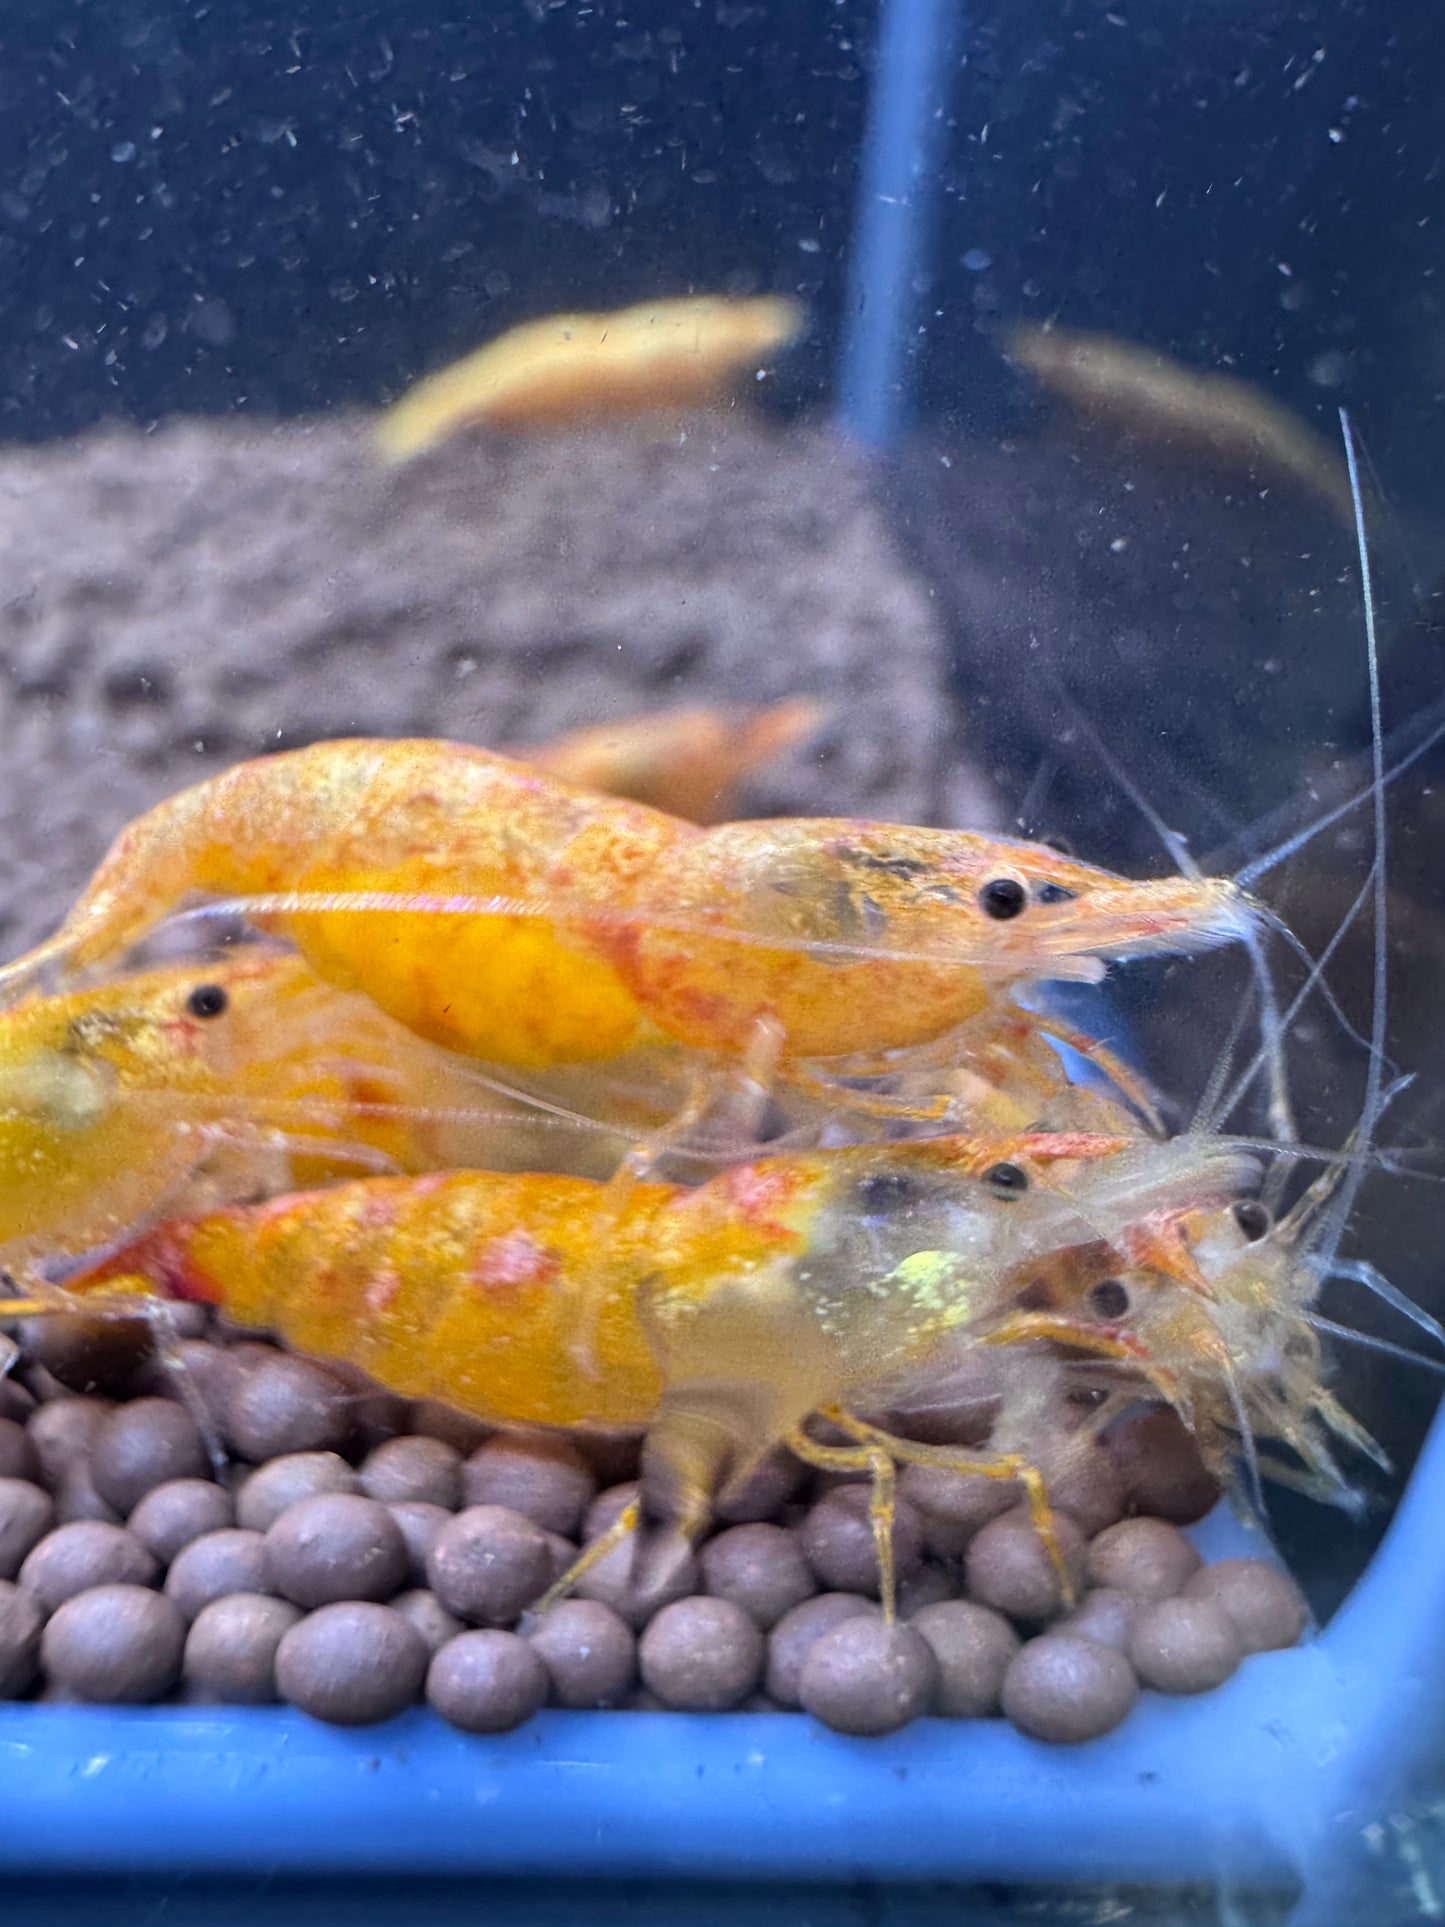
(536, 923)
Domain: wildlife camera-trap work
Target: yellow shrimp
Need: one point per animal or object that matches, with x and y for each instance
(583, 926)
(242, 1077)
(722, 1316)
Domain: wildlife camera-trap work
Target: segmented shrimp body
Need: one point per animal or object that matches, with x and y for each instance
(719, 1317)
(585, 925)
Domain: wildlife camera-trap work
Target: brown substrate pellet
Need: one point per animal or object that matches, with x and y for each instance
(867, 1677)
(1066, 1689)
(1185, 1645)
(115, 1644)
(486, 1682)
(351, 1663)
(356, 1565)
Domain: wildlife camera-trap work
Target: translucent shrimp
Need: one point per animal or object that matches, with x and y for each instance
(722, 1316)
(580, 926)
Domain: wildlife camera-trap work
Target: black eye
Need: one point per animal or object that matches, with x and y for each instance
(1109, 1299)
(207, 1000)
(1252, 1219)
(1054, 893)
(886, 1191)
(1002, 899)
(1006, 1180)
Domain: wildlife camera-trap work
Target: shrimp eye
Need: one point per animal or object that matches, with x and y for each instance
(1006, 1180)
(1002, 899)
(886, 1191)
(1252, 1219)
(1109, 1299)
(207, 1000)
(1054, 893)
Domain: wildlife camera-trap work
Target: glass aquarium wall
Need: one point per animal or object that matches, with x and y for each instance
(1052, 448)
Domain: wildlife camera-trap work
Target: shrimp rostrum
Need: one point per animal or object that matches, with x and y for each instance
(721, 1318)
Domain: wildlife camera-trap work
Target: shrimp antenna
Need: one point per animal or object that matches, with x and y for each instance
(1373, 1102)
(1358, 1272)
(1368, 1342)
(1281, 1114)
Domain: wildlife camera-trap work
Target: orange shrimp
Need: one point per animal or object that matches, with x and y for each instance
(686, 761)
(241, 1077)
(583, 926)
(722, 1316)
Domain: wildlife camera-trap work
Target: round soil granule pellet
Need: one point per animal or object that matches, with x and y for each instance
(21, 1620)
(701, 1655)
(588, 1651)
(1106, 1615)
(486, 1682)
(926, 1585)
(142, 1445)
(414, 1471)
(351, 1663)
(27, 1513)
(86, 1352)
(867, 1677)
(764, 1492)
(1161, 1469)
(489, 1563)
(230, 1655)
(562, 1553)
(420, 1523)
(1265, 1604)
(1088, 1486)
(87, 1554)
(172, 1515)
(274, 1488)
(547, 1480)
(1007, 1566)
(1147, 1558)
(62, 1431)
(16, 1403)
(114, 1645)
(422, 1609)
(837, 1537)
(791, 1640)
(1066, 1689)
(18, 1457)
(285, 1405)
(953, 1506)
(760, 1568)
(216, 1564)
(335, 1546)
(76, 1497)
(1185, 1645)
(636, 1592)
(607, 1508)
(974, 1647)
